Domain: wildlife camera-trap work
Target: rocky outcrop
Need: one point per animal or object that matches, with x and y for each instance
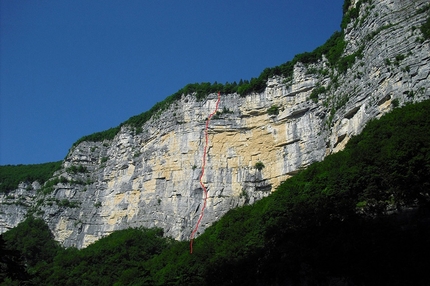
(15, 205)
(151, 178)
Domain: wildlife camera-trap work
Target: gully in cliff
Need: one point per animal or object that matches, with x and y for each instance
(205, 191)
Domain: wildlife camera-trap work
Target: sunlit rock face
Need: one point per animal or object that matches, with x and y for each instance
(151, 178)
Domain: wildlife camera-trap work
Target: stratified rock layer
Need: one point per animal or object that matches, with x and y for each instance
(151, 179)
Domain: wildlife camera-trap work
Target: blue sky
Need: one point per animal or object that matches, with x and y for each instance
(72, 68)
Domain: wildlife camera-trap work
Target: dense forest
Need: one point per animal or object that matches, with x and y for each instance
(12, 175)
(360, 217)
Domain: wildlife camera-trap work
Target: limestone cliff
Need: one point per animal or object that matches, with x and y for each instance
(152, 178)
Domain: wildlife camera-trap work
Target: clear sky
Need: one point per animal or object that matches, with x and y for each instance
(72, 68)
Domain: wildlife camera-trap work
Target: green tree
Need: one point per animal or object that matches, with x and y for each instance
(425, 28)
(34, 243)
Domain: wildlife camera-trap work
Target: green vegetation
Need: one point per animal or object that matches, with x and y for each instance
(218, 114)
(371, 35)
(244, 194)
(399, 58)
(346, 62)
(32, 247)
(99, 136)
(29, 247)
(48, 187)
(118, 258)
(12, 175)
(410, 93)
(273, 110)
(74, 170)
(353, 13)
(361, 215)
(387, 62)
(425, 28)
(316, 92)
(68, 204)
(259, 166)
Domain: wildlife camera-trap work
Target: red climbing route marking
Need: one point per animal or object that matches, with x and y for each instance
(205, 191)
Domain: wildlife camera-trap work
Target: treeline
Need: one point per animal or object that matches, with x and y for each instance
(99, 136)
(360, 217)
(12, 175)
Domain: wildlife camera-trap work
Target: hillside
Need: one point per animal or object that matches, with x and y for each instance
(145, 172)
(360, 217)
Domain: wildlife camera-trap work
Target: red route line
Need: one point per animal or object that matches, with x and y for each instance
(205, 191)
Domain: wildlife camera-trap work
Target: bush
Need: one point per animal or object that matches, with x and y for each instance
(68, 204)
(316, 92)
(74, 170)
(425, 29)
(259, 165)
(273, 110)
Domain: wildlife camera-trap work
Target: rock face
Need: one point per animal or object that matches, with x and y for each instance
(151, 179)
